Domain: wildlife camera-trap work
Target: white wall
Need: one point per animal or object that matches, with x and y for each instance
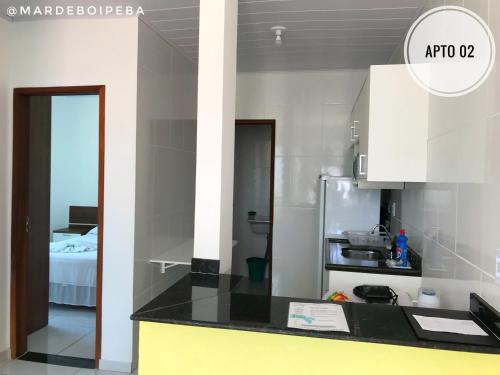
(454, 218)
(166, 160)
(4, 195)
(252, 161)
(93, 52)
(218, 29)
(74, 155)
(312, 136)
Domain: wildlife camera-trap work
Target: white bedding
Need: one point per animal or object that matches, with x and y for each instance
(73, 268)
(71, 272)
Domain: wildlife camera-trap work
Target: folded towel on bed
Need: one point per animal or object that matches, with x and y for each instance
(73, 246)
(70, 248)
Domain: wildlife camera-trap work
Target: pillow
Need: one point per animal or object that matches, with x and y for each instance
(93, 231)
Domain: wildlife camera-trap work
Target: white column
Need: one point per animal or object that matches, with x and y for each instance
(215, 138)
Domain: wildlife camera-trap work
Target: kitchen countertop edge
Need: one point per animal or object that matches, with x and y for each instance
(164, 309)
(329, 336)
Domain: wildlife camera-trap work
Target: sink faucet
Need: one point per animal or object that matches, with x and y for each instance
(380, 226)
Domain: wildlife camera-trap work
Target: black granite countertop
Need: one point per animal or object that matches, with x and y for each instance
(336, 261)
(232, 302)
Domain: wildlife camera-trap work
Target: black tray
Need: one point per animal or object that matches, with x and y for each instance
(422, 334)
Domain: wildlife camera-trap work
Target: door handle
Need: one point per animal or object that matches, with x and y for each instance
(362, 164)
(27, 224)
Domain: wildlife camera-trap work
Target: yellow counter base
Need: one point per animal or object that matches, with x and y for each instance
(166, 349)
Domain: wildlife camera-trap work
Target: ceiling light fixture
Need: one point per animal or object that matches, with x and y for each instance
(278, 31)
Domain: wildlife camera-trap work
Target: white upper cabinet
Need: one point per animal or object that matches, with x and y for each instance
(390, 121)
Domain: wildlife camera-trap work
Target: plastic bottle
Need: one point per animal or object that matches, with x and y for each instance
(403, 247)
(396, 251)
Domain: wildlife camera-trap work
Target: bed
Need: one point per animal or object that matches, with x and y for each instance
(73, 270)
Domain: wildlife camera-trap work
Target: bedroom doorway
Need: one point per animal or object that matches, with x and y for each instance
(57, 216)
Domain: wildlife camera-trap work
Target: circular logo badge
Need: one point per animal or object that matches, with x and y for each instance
(449, 51)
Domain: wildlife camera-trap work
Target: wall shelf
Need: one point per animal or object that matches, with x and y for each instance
(179, 255)
(260, 224)
(259, 220)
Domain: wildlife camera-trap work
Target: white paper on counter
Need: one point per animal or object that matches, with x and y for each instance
(463, 327)
(317, 317)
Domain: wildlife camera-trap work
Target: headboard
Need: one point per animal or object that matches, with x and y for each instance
(80, 215)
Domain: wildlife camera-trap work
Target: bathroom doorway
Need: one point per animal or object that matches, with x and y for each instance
(253, 203)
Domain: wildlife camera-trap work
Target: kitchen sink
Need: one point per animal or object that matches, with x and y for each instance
(340, 255)
(362, 254)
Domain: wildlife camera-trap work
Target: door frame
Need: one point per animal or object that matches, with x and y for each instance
(20, 199)
(272, 124)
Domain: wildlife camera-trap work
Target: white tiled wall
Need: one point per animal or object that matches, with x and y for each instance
(166, 159)
(251, 192)
(454, 219)
(311, 111)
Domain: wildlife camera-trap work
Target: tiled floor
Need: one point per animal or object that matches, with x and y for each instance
(32, 368)
(71, 332)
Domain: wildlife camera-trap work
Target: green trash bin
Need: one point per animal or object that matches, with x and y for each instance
(256, 268)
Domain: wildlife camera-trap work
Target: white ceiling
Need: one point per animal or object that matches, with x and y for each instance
(321, 34)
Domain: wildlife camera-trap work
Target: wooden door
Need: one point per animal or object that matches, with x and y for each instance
(38, 224)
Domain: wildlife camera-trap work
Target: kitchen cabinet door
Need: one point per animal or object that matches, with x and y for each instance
(391, 122)
(398, 126)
